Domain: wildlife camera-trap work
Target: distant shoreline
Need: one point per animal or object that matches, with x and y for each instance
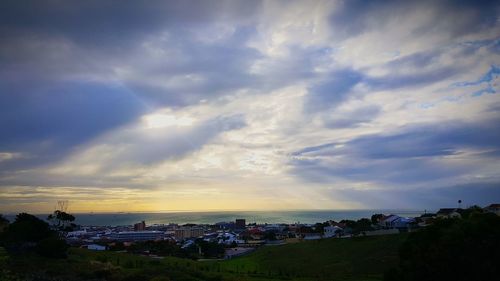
(211, 217)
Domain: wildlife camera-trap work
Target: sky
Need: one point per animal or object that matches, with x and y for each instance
(248, 105)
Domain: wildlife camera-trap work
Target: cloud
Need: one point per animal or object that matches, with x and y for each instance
(413, 155)
(334, 91)
(299, 98)
(424, 198)
(350, 118)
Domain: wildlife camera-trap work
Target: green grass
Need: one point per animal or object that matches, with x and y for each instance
(363, 258)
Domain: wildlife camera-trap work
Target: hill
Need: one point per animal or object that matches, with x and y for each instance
(362, 258)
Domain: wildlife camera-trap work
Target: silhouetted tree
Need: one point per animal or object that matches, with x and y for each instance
(28, 233)
(270, 235)
(466, 213)
(3, 223)
(61, 219)
(376, 217)
(363, 224)
(26, 229)
(52, 247)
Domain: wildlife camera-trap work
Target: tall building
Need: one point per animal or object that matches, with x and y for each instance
(188, 232)
(140, 226)
(240, 223)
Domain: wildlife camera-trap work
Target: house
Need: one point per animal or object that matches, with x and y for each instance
(493, 208)
(449, 213)
(404, 223)
(256, 233)
(332, 231)
(388, 221)
(395, 221)
(426, 219)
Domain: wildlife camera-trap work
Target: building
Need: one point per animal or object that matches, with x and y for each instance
(493, 208)
(225, 225)
(240, 223)
(395, 221)
(449, 213)
(188, 232)
(332, 231)
(138, 235)
(140, 226)
(388, 221)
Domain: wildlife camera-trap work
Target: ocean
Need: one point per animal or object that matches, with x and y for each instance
(298, 216)
(307, 216)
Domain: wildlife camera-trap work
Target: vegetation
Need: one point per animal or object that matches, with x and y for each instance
(376, 217)
(357, 227)
(30, 234)
(361, 258)
(62, 220)
(82, 264)
(452, 249)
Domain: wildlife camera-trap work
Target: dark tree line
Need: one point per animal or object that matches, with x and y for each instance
(30, 234)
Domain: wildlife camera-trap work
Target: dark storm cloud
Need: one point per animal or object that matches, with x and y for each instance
(108, 22)
(46, 123)
(58, 62)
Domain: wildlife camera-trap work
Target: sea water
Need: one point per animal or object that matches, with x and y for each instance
(260, 217)
(114, 219)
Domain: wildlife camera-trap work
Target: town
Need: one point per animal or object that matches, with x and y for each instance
(225, 240)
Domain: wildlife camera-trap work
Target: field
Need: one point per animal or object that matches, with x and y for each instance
(363, 258)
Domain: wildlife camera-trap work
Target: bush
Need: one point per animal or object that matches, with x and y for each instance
(52, 247)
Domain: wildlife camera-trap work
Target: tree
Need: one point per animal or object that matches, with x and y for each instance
(451, 249)
(270, 235)
(61, 219)
(26, 228)
(376, 217)
(320, 227)
(3, 223)
(29, 233)
(52, 247)
(466, 213)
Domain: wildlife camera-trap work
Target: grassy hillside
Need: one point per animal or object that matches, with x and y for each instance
(363, 258)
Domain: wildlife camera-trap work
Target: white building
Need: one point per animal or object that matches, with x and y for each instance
(138, 235)
(331, 231)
